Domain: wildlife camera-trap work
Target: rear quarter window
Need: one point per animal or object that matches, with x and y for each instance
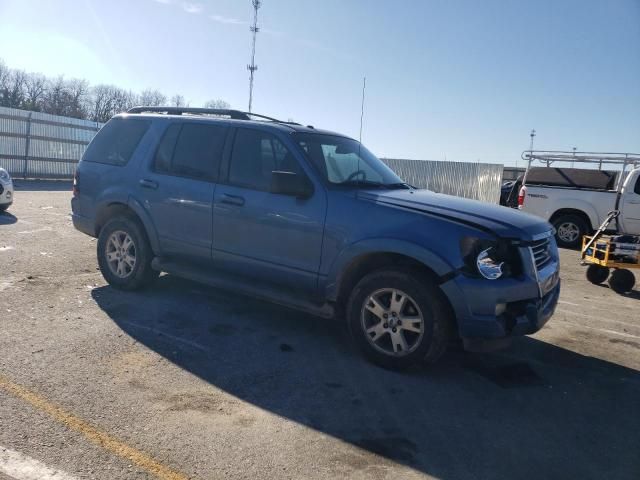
(116, 141)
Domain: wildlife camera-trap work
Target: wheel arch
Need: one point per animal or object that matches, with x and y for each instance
(131, 209)
(587, 213)
(359, 265)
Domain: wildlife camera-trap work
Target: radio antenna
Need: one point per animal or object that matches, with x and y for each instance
(364, 86)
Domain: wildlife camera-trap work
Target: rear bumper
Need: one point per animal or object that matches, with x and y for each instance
(6, 194)
(84, 224)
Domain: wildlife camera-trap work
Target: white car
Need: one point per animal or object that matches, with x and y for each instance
(6, 190)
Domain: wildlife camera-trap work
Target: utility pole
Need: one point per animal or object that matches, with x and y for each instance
(253, 67)
(532, 135)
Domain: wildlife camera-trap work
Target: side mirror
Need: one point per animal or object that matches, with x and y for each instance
(290, 183)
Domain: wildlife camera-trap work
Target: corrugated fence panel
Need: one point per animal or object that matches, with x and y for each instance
(40, 145)
(56, 145)
(478, 181)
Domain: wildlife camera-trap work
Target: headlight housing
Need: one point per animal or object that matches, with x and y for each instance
(4, 175)
(490, 259)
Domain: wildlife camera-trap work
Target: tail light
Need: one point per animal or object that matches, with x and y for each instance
(76, 179)
(521, 195)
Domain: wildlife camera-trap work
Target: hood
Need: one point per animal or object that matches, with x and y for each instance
(502, 221)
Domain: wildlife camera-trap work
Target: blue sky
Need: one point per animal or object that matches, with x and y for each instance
(461, 79)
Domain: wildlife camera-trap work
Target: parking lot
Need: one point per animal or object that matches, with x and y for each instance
(183, 381)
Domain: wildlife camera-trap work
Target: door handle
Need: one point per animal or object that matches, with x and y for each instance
(232, 199)
(145, 183)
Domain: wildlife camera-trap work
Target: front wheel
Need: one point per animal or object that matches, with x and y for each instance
(124, 254)
(398, 319)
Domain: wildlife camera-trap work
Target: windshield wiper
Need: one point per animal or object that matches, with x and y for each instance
(372, 184)
(363, 183)
(403, 185)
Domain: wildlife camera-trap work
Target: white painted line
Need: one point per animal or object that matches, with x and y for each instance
(604, 330)
(568, 303)
(21, 467)
(4, 249)
(43, 229)
(600, 318)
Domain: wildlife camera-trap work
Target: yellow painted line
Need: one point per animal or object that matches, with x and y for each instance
(98, 437)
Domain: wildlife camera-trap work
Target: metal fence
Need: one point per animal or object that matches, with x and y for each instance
(39, 145)
(478, 181)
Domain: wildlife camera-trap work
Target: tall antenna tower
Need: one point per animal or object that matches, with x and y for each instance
(253, 67)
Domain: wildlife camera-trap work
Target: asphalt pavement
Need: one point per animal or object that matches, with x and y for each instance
(185, 381)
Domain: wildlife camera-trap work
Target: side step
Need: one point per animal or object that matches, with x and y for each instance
(253, 289)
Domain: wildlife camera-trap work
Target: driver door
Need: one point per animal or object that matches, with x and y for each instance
(261, 235)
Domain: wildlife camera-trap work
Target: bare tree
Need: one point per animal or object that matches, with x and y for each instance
(218, 104)
(35, 89)
(54, 98)
(179, 101)
(76, 93)
(12, 89)
(75, 97)
(108, 100)
(102, 102)
(4, 82)
(152, 98)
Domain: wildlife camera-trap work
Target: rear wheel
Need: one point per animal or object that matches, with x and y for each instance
(569, 230)
(398, 319)
(3, 208)
(124, 254)
(622, 281)
(597, 274)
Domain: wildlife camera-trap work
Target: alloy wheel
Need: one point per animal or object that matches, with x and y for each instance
(392, 322)
(120, 253)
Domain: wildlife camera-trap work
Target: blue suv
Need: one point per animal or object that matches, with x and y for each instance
(312, 220)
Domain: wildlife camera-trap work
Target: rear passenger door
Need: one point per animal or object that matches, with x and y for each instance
(178, 188)
(266, 237)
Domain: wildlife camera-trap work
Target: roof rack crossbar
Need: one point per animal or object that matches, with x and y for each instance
(233, 114)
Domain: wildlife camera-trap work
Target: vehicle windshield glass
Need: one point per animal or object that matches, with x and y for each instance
(343, 161)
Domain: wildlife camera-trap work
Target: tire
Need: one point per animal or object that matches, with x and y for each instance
(597, 274)
(622, 281)
(4, 208)
(133, 275)
(425, 340)
(569, 230)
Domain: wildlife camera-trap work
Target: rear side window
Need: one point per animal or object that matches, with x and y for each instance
(116, 141)
(191, 150)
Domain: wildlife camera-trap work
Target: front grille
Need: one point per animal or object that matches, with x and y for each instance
(541, 252)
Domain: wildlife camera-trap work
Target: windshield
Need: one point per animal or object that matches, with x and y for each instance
(343, 161)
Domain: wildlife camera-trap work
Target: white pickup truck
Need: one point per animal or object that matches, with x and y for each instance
(577, 208)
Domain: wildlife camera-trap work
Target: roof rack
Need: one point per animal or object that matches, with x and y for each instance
(233, 114)
(547, 158)
(600, 158)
